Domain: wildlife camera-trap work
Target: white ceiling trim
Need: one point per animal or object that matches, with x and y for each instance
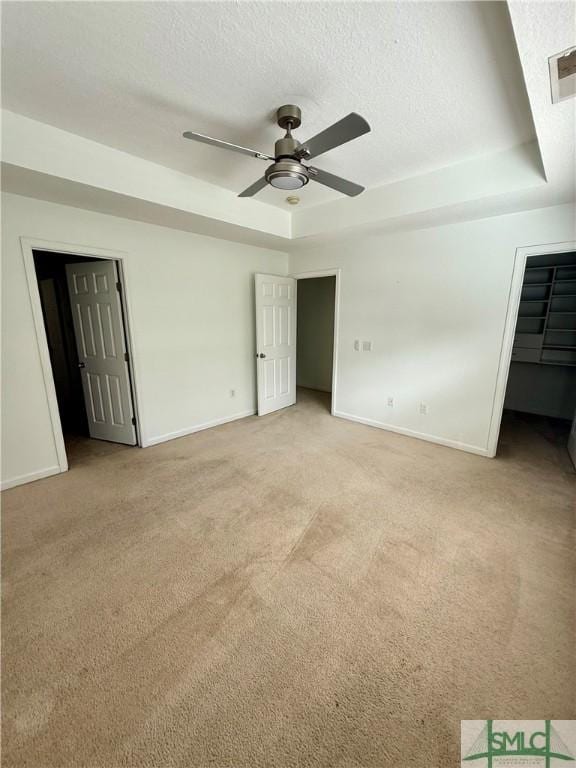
(41, 186)
(56, 154)
(42, 148)
(502, 173)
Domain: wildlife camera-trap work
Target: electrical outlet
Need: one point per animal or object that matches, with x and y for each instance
(366, 346)
(390, 402)
(232, 393)
(423, 409)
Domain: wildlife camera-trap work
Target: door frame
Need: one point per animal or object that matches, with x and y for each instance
(514, 294)
(337, 273)
(28, 246)
(572, 441)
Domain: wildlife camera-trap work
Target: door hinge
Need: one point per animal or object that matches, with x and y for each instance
(126, 356)
(119, 287)
(134, 420)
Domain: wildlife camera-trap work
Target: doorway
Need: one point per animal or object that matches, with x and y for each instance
(540, 393)
(316, 304)
(84, 322)
(278, 332)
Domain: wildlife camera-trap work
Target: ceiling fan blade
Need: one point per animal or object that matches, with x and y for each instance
(225, 145)
(335, 182)
(253, 188)
(350, 127)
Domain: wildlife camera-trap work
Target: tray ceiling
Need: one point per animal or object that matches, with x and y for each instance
(440, 83)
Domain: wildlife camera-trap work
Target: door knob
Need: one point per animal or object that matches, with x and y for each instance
(261, 354)
(81, 365)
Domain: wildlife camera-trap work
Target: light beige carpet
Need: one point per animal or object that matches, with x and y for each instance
(289, 591)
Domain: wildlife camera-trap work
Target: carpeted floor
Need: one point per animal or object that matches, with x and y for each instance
(289, 591)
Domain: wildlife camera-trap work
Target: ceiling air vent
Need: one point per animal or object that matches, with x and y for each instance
(563, 75)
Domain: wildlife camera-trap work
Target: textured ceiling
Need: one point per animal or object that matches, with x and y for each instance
(440, 83)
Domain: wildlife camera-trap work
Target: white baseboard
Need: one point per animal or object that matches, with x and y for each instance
(412, 433)
(30, 477)
(196, 428)
(48, 471)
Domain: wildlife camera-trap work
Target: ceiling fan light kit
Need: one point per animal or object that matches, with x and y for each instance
(286, 174)
(287, 171)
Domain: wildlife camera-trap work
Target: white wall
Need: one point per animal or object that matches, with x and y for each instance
(315, 336)
(190, 300)
(433, 302)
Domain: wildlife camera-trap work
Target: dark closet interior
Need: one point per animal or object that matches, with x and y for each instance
(542, 379)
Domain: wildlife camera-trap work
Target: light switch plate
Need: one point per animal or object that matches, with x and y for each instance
(366, 346)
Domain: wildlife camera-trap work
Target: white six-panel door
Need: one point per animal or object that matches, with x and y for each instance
(101, 345)
(275, 342)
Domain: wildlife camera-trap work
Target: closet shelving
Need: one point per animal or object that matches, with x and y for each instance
(546, 326)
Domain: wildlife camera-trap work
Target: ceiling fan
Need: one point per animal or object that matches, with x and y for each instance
(287, 170)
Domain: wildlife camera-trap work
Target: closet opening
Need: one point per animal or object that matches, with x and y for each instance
(541, 388)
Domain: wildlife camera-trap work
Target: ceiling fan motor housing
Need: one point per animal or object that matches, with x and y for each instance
(285, 147)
